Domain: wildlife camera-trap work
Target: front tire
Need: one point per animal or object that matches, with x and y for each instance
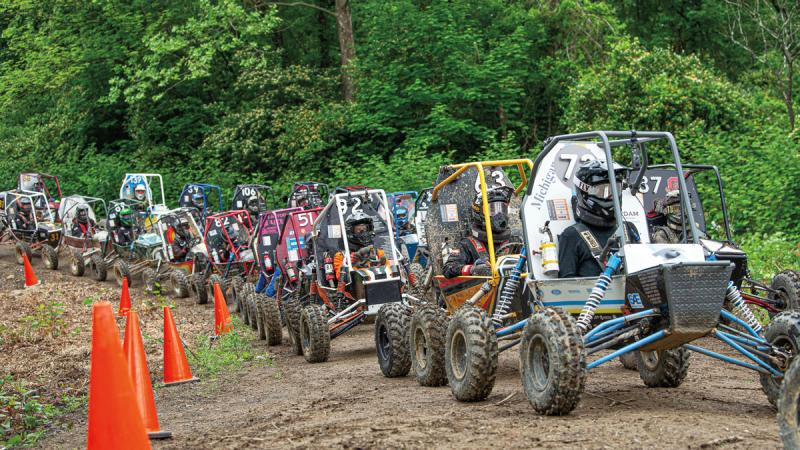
(150, 280)
(471, 354)
(50, 257)
(391, 339)
(271, 320)
(22, 248)
(552, 362)
(314, 334)
(663, 368)
(179, 283)
(199, 289)
(629, 360)
(99, 267)
(77, 266)
(122, 271)
(427, 334)
(789, 407)
(293, 310)
(787, 285)
(783, 332)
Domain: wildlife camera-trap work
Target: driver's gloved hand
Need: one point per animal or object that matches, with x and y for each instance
(481, 261)
(483, 270)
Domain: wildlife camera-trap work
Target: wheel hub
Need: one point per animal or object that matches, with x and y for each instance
(539, 361)
(420, 348)
(458, 352)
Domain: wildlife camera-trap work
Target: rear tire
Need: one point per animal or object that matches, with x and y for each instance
(271, 320)
(417, 289)
(629, 359)
(99, 267)
(427, 334)
(787, 283)
(261, 332)
(22, 248)
(252, 302)
(50, 257)
(199, 289)
(789, 407)
(391, 339)
(122, 270)
(77, 265)
(314, 334)
(664, 368)
(293, 310)
(179, 283)
(471, 354)
(784, 333)
(552, 362)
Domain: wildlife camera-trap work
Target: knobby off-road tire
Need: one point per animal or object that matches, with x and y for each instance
(217, 279)
(629, 360)
(150, 280)
(121, 271)
(471, 354)
(314, 334)
(426, 337)
(789, 407)
(199, 290)
(50, 257)
(271, 320)
(22, 248)
(784, 333)
(552, 362)
(787, 283)
(234, 290)
(77, 265)
(391, 339)
(179, 283)
(417, 289)
(293, 310)
(252, 303)
(663, 368)
(261, 332)
(99, 267)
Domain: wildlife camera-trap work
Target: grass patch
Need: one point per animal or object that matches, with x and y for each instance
(229, 352)
(25, 416)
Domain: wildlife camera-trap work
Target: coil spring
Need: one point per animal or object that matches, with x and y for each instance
(507, 294)
(740, 308)
(598, 292)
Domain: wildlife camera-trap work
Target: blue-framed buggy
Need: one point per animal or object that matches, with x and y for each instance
(654, 299)
(212, 200)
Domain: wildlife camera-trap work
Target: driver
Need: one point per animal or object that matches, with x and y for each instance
(581, 245)
(360, 234)
(470, 256)
(404, 226)
(182, 243)
(123, 234)
(82, 224)
(23, 219)
(670, 209)
(253, 207)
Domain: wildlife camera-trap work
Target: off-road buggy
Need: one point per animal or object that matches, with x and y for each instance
(403, 206)
(139, 187)
(42, 183)
(656, 299)
(30, 226)
(180, 255)
(211, 200)
(231, 261)
(88, 244)
(134, 248)
(338, 286)
(251, 198)
(475, 309)
(308, 194)
(263, 308)
(784, 291)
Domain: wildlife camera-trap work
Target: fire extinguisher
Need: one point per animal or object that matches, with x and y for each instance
(267, 263)
(549, 252)
(291, 274)
(329, 275)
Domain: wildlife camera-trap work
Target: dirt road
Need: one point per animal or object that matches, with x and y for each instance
(346, 402)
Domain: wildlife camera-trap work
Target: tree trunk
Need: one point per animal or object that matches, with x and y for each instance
(322, 34)
(788, 94)
(344, 25)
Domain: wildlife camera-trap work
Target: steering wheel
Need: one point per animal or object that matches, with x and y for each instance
(509, 248)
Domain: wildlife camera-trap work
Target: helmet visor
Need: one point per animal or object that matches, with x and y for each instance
(601, 191)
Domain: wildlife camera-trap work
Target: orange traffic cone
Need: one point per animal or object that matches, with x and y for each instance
(114, 417)
(222, 318)
(176, 367)
(30, 277)
(133, 347)
(124, 299)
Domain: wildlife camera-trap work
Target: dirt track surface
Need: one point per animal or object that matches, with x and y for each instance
(346, 402)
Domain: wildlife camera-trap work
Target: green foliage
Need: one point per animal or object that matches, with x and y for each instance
(225, 353)
(24, 415)
(47, 320)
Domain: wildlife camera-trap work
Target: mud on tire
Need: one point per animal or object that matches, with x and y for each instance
(199, 291)
(50, 257)
(252, 314)
(121, 271)
(426, 338)
(663, 368)
(179, 283)
(150, 280)
(787, 283)
(789, 407)
(22, 248)
(418, 288)
(391, 339)
(271, 320)
(784, 333)
(629, 360)
(314, 334)
(99, 267)
(552, 362)
(471, 354)
(293, 310)
(77, 265)
(217, 279)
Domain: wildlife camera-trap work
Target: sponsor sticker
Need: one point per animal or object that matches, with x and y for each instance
(635, 301)
(558, 208)
(450, 212)
(266, 240)
(335, 231)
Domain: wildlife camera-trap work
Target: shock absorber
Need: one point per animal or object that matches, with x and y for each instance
(507, 294)
(598, 292)
(329, 275)
(736, 301)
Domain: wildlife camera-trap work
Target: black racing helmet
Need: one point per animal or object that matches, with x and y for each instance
(594, 199)
(198, 200)
(253, 205)
(498, 200)
(361, 239)
(82, 213)
(182, 227)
